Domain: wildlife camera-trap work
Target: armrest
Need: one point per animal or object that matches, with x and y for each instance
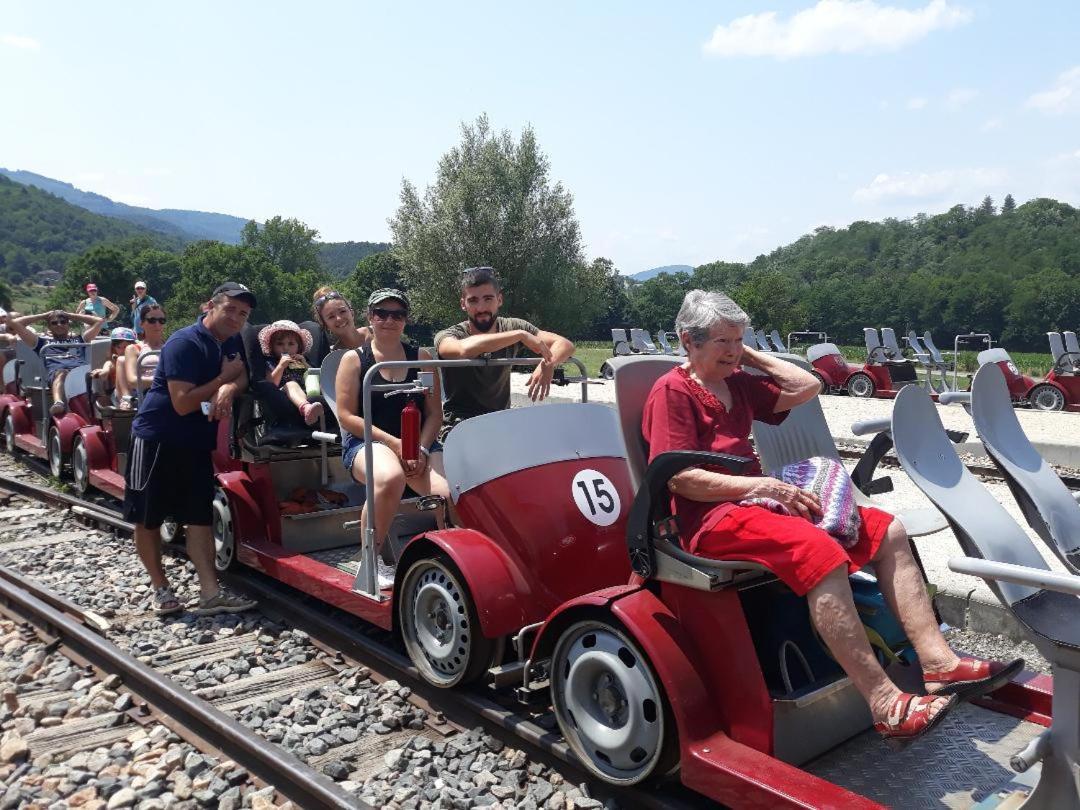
(865, 427)
(949, 397)
(1017, 574)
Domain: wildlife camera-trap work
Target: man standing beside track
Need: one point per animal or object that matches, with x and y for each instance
(169, 471)
(475, 391)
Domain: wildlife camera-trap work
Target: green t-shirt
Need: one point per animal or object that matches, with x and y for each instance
(473, 391)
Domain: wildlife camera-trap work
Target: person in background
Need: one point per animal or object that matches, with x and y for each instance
(170, 473)
(388, 310)
(105, 378)
(153, 319)
(98, 305)
(58, 360)
(7, 340)
(138, 301)
(335, 317)
(475, 391)
(283, 345)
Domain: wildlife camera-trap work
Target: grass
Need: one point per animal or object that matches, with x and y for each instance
(28, 298)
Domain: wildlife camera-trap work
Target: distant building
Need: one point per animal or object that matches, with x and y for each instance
(47, 278)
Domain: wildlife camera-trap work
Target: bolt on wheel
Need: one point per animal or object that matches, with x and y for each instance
(80, 467)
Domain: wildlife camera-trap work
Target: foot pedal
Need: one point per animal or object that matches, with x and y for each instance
(535, 694)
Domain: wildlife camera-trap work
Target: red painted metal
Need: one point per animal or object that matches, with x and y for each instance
(835, 369)
(1028, 696)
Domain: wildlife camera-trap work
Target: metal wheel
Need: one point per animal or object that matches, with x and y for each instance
(1046, 397)
(224, 539)
(171, 531)
(821, 381)
(9, 435)
(80, 467)
(55, 454)
(439, 624)
(860, 385)
(610, 706)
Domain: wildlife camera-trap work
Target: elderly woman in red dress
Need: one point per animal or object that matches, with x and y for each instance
(709, 404)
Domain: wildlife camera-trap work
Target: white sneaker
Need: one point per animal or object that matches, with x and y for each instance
(386, 574)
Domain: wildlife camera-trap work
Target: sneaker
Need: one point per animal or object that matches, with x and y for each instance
(165, 601)
(58, 408)
(386, 575)
(220, 603)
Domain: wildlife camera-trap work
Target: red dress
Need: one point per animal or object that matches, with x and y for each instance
(681, 414)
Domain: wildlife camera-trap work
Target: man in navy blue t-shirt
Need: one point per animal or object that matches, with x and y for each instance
(169, 471)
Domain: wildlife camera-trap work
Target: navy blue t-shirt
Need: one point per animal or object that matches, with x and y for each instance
(191, 355)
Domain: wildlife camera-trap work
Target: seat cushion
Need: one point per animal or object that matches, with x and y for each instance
(1052, 615)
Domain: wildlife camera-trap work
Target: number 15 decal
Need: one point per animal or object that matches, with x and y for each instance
(596, 497)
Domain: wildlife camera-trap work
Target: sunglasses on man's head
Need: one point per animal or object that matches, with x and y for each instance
(59, 322)
(153, 320)
(386, 314)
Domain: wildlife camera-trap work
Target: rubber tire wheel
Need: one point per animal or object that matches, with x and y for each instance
(821, 381)
(55, 454)
(171, 532)
(607, 372)
(860, 385)
(1051, 398)
(630, 657)
(223, 533)
(432, 575)
(9, 435)
(80, 467)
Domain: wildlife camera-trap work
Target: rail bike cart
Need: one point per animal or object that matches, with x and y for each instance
(669, 343)
(28, 425)
(636, 342)
(927, 355)
(1060, 389)
(1019, 385)
(710, 667)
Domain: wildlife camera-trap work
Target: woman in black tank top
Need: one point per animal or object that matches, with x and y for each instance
(387, 312)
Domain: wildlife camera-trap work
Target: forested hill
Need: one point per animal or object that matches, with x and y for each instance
(1014, 273)
(41, 232)
(339, 258)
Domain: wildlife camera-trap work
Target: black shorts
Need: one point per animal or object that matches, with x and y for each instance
(167, 481)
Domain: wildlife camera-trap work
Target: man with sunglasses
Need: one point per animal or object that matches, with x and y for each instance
(475, 391)
(55, 349)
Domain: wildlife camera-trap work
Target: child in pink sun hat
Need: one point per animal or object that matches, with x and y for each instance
(283, 344)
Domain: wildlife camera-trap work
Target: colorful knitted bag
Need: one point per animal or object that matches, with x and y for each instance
(826, 478)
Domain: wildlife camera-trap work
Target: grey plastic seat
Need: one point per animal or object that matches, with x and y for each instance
(892, 347)
(669, 346)
(634, 378)
(328, 376)
(875, 352)
(641, 342)
(819, 350)
(762, 341)
(922, 354)
(1063, 364)
(1046, 502)
(935, 352)
(777, 341)
(999, 551)
(620, 343)
(749, 338)
(1072, 346)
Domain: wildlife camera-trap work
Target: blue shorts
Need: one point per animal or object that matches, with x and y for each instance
(354, 446)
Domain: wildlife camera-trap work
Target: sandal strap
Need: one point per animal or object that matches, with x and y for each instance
(968, 669)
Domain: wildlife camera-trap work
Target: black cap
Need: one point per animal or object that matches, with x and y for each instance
(234, 289)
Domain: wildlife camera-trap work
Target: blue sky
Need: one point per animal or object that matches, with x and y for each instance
(686, 132)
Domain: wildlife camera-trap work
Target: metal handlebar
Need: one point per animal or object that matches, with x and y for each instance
(949, 397)
(865, 427)
(1016, 574)
(138, 372)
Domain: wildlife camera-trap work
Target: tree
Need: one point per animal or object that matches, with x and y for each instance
(288, 243)
(492, 203)
(371, 273)
(655, 302)
(1009, 205)
(5, 294)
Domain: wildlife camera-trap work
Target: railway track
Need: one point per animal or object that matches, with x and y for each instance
(409, 744)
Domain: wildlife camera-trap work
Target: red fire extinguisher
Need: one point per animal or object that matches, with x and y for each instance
(410, 431)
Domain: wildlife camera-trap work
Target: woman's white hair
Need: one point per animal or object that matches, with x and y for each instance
(701, 310)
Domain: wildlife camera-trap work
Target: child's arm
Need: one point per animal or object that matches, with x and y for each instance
(278, 371)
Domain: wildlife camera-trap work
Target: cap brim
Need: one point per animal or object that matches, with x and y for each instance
(243, 296)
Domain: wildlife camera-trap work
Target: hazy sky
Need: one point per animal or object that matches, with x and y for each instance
(686, 132)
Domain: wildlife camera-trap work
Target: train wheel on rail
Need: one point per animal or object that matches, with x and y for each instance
(171, 531)
(9, 435)
(80, 467)
(1045, 397)
(224, 537)
(860, 385)
(610, 706)
(440, 626)
(821, 381)
(55, 454)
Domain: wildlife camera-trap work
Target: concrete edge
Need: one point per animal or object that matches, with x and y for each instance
(965, 613)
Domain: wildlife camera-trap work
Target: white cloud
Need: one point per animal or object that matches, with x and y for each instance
(961, 96)
(90, 177)
(951, 183)
(1062, 97)
(23, 43)
(991, 124)
(157, 171)
(916, 103)
(833, 26)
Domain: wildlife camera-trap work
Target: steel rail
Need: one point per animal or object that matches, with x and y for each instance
(263, 759)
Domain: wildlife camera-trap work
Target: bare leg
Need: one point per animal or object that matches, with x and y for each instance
(903, 587)
(57, 387)
(433, 479)
(295, 394)
(200, 549)
(148, 547)
(389, 485)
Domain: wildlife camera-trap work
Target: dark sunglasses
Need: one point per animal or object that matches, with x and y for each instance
(389, 314)
(60, 322)
(153, 320)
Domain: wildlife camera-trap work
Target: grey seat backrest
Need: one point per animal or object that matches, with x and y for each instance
(982, 526)
(9, 373)
(819, 350)
(1057, 351)
(31, 368)
(100, 350)
(777, 341)
(662, 341)
(528, 438)
(875, 352)
(762, 340)
(634, 378)
(888, 340)
(327, 375)
(998, 355)
(935, 353)
(641, 341)
(618, 336)
(803, 434)
(1044, 499)
(921, 352)
(75, 382)
(1072, 346)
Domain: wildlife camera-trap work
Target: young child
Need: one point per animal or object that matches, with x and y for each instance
(283, 345)
(105, 377)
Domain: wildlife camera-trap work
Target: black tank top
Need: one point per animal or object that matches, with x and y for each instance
(386, 410)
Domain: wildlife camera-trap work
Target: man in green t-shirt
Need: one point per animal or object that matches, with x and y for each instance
(474, 391)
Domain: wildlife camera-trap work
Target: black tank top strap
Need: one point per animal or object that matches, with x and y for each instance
(386, 411)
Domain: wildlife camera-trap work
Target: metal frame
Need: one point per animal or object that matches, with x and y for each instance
(970, 337)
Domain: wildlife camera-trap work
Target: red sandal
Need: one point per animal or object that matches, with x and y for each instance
(909, 718)
(973, 677)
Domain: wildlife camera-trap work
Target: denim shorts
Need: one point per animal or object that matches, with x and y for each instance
(353, 447)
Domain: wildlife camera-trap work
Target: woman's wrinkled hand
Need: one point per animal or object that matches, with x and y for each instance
(797, 501)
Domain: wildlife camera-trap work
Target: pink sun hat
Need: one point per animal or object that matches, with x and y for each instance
(266, 335)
